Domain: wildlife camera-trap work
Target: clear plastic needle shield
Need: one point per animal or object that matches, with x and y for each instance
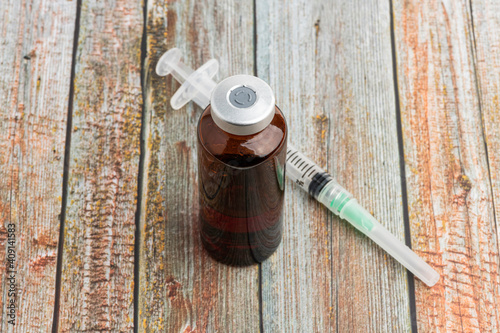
(198, 86)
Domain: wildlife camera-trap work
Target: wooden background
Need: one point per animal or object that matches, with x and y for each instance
(398, 99)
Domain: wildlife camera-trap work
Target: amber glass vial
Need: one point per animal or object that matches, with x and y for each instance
(241, 168)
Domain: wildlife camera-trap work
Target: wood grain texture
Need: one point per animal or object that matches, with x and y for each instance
(36, 39)
(331, 68)
(181, 287)
(449, 191)
(486, 29)
(98, 260)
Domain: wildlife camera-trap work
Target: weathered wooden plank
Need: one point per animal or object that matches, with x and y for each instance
(181, 288)
(36, 40)
(98, 261)
(449, 191)
(486, 31)
(331, 68)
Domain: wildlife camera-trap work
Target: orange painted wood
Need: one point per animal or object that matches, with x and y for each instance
(331, 68)
(98, 260)
(449, 190)
(181, 288)
(36, 39)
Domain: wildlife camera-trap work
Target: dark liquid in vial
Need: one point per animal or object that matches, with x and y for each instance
(241, 183)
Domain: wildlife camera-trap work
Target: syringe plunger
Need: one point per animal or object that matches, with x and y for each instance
(195, 85)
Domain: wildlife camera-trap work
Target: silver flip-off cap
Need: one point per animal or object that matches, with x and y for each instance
(242, 105)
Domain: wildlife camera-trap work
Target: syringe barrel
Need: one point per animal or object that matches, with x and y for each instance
(300, 169)
(313, 179)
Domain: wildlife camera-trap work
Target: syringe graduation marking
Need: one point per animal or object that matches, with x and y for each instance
(295, 159)
(318, 177)
(312, 171)
(290, 156)
(312, 166)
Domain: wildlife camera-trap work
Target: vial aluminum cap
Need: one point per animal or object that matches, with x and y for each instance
(242, 105)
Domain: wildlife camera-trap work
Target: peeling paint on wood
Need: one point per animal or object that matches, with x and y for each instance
(449, 191)
(98, 260)
(331, 68)
(36, 39)
(181, 288)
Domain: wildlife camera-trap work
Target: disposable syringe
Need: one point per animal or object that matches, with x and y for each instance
(311, 178)
(198, 85)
